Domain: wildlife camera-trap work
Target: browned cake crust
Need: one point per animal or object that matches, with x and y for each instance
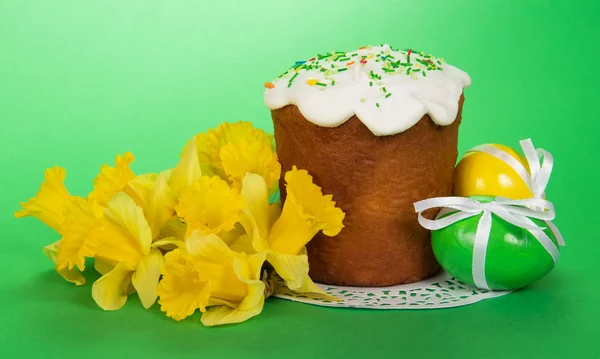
(375, 180)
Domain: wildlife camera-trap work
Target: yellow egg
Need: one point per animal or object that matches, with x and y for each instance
(481, 174)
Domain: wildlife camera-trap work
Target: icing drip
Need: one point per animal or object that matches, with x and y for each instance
(389, 90)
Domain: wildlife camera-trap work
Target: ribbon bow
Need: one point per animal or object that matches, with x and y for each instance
(516, 212)
(536, 178)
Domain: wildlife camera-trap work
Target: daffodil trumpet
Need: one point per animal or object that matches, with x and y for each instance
(207, 275)
(283, 236)
(234, 149)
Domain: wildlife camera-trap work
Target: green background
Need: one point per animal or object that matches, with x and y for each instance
(81, 81)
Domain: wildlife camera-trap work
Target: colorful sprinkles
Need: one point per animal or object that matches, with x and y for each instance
(393, 62)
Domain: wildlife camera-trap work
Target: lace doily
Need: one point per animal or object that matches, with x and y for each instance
(441, 291)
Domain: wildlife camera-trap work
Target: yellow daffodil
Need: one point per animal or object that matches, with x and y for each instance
(187, 170)
(210, 205)
(206, 274)
(58, 209)
(234, 149)
(118, 235)
(125, 248)
(112, 180)
(306, 212)
(87, 231)
(119, 238)
(51, 202)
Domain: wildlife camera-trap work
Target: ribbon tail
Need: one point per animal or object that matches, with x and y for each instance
(540, 174)
(543, 176)
(556, 232)
(480, 249)
(530, 154)
(434, 225)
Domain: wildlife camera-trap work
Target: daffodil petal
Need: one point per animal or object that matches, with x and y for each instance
(255, 298)
(174, 227)
(205, 150)
(142, 186)
(256, 193)
(247, 271)
(123, 212)
(103, 266)
(145, 278)
(126, 234)
(243, 245)
(256, 261)
(72, 275)
(220, 315)
(257, 242)
(208, 245)
(169, 243)
(216, 259)
(231, 236)
(51, 202)
(112, 180)
(50, 251)
(256, 218)
(308, 286)
(161, 207)
(187, 170)
(110, 291)
(291, 268)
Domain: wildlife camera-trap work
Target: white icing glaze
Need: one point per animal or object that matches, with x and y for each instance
(430, 87)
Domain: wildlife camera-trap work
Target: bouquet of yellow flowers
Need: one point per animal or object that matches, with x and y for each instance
(202, 235)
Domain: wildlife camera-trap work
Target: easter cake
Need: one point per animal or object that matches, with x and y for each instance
(378, 129)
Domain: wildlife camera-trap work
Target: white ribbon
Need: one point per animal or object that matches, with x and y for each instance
(536, 178)
(516, 212)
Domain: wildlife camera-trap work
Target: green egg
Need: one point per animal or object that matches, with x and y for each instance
(514, 257)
